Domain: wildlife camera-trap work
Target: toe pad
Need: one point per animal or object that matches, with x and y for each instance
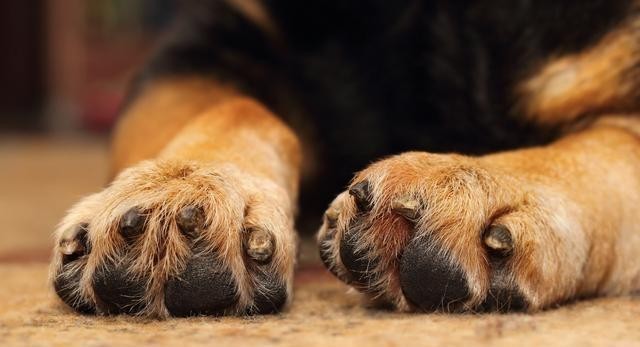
(204, 288)
(428, 279)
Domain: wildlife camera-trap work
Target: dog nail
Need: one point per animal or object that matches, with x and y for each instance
(71, 247)
(331, 217)
(74, 241)
(498, 239)
(131, 223)
(406, 207)
(361, 192)
(190, 219)
(259, 245)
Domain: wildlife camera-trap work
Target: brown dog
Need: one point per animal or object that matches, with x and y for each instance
(199, 218)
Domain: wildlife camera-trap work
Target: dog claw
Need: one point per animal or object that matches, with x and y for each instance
(498, 238)
(331, 217)
(73, 247)
(259, 245)
(190, 219)
(406, 207)
(131, 223)
(74, 241)
(361, 192)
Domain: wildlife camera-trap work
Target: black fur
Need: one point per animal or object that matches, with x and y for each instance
(365, 79)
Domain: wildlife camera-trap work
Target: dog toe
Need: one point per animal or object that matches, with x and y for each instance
(271, 294)
(118, 290)
(357, 261)
(66, 285)
(205, 287)
(428, 279)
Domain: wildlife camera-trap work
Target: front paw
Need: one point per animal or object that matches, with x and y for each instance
(177, 239)
(446, 232)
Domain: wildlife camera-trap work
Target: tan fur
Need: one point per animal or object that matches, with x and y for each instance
(208, 147)
(573, 208)
(158, 113)
(601, 79)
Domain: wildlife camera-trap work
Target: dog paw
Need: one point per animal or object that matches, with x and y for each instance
(427, 232)
(177, 239)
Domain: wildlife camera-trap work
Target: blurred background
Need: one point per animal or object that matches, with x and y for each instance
(67, 63)
(64, 69)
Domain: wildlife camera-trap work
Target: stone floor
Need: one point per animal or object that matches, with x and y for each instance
(40, 178)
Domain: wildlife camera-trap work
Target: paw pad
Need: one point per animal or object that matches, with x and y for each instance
(205, 287)
(178, 239)
(428, 278)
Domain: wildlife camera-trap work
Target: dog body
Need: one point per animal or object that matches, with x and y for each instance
(246, 99)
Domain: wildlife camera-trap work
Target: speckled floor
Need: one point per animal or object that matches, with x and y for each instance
(40, 178)
(322, 315)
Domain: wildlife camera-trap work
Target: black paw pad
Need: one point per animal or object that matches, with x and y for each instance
(118, 289)
(66, 286)
(324, 247)
(204, 288)
(428, 279)
(325, 244)
(271, 296)
(357, 261)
